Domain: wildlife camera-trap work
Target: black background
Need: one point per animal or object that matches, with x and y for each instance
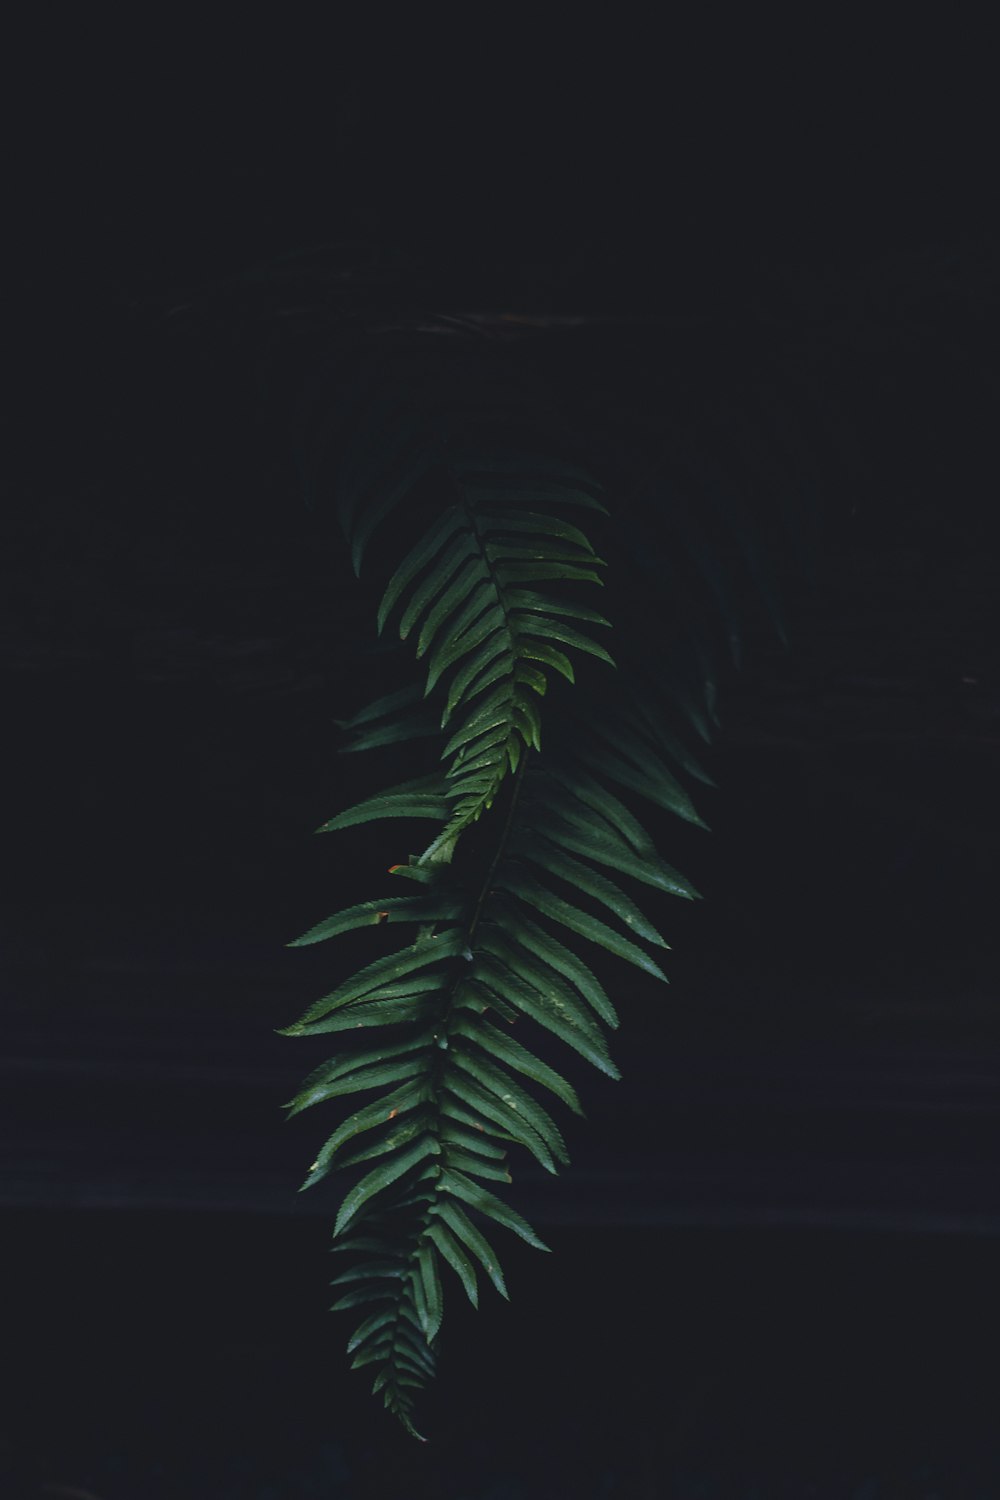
(775, 1251)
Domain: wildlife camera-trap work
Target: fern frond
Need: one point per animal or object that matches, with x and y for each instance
(486, 594)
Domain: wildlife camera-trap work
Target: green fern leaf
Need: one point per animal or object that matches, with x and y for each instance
(455, 557)
(429, 1284)
(452, 1110)
(659, 786)
(421, 798)
(541, 651)
(410, 727)
(395, 1136)
(451, 1250)
(535, 895)
(525, 599)
(532, 625)
(377, 1113)
(498, 1081)
(493, 660)
(386, 970)
(497, 1044)
(360, 1079)
(423, 555)
(584, 788)
(665, 740)
(494, 1110)
(363, 1297)
(547, 857)
(545, 955)
(519, 522)
(470, 1140)
(382, 1177)
(596, 840)
(381, 708)
(476, 1166)
(435, 907)
(385, 1011)
(490, 623)
(539, 572)
(545, 999)
(646, 774)
(458, 607)
(477, 1197)
(361, 1057)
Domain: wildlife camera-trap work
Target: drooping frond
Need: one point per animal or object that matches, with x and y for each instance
(491, 594)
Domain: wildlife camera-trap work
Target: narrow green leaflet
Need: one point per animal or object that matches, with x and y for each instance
(525, 599)
(454, 558)
(544, 1001)
(585, 788)
(383, 971)
(451, 1249)
(470, 1140)
(363, 1297)
(536, 625)
(477, 1197)
(471, 592)
(648, 762)
(521, 521)
(435, 907)
(537, 572)
(382, 1177)
(385, 1318)
(535, 895)
(430, 1285)
(384, 1011)
(499, 1082)
(393, 1136)
(356, 1080)
(596, 840)
(662, 789)
(553, 962)
(493, 661)
(498, 1044)
(457, 647)
(423, 555)
(545, 854)
(656, 726)
(497, 1111)
(541, 651)
(348, 1061)
(452, 1110)
(415, 726)
(376, 1113)
(464, 1230)
(382, 707)
(422, 798)
(477, 1166)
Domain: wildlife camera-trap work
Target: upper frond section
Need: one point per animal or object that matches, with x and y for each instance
(478, 592)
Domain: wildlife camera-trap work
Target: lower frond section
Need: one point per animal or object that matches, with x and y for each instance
(428, 1030)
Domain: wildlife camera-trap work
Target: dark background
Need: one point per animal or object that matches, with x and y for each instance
(776, 1247)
